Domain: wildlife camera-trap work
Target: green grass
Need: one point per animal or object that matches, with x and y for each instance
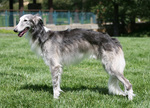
(25, 81)
(3, 31)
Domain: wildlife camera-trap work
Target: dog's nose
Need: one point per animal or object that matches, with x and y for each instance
(15, 30)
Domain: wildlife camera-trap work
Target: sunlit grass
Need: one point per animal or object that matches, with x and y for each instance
(25, 81)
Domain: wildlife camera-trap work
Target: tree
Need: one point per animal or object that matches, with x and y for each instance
(21, 7)
(11, 19)
(50, 2)
(122, 12)
(109, 10)
(116, 19)
(58, 4)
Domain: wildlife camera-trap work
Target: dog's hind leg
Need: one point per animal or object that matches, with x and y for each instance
(114, 64)
(56, 72)
(127, 85)
(113, 86)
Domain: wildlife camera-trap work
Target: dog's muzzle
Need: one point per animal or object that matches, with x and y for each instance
(21, 33)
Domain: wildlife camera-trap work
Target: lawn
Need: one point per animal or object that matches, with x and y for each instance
(25, 81)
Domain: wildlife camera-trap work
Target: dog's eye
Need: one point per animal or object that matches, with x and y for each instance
(25, 20)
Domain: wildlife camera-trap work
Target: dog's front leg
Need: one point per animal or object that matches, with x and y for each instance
(56, 78)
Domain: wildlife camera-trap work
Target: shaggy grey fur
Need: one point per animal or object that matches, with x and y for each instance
(59, 48)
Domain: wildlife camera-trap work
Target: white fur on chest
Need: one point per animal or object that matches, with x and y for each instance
(34, 44)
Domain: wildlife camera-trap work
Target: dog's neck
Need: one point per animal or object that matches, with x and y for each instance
(37, 31)
(34, 37)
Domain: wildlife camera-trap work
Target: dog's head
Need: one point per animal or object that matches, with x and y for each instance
(26, 23)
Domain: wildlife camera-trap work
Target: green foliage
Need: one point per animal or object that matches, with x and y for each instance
(3, 1)
(123, 12)
(128, 9)
(71, 4)
(4, 4)
(25, 81)
(58, 4)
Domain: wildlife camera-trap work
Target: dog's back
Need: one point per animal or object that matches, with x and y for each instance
(102, 40)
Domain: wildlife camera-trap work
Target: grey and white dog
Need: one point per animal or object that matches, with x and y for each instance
(59, 48)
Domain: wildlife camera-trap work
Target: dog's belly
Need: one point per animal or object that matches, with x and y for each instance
(75, 57)
(76, 52)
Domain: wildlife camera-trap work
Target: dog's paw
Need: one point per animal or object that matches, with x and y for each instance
(60, 90)
(131, 94)
(56, 97)
(56, 94)
(123, 94)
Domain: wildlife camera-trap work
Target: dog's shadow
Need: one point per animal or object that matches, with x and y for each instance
(49, 89)
(37, 87)
(84, 88)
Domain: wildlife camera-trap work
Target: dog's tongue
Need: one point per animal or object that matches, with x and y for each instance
(22, 32)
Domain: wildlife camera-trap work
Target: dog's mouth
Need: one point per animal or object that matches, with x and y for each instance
(23, 32)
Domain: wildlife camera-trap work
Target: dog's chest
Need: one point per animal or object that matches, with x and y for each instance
(35, 47)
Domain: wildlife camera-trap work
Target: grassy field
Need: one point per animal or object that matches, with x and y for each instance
(25, 81)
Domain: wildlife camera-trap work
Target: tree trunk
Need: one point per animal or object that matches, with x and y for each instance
(116, 19)
(21, 8)
(132, 22)
(50, 2)
(11, 19)
(34, 1)
(123, 25)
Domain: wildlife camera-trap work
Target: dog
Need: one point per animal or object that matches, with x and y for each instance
(59, 48)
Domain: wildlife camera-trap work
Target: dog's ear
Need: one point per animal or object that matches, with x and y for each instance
(37, 19)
